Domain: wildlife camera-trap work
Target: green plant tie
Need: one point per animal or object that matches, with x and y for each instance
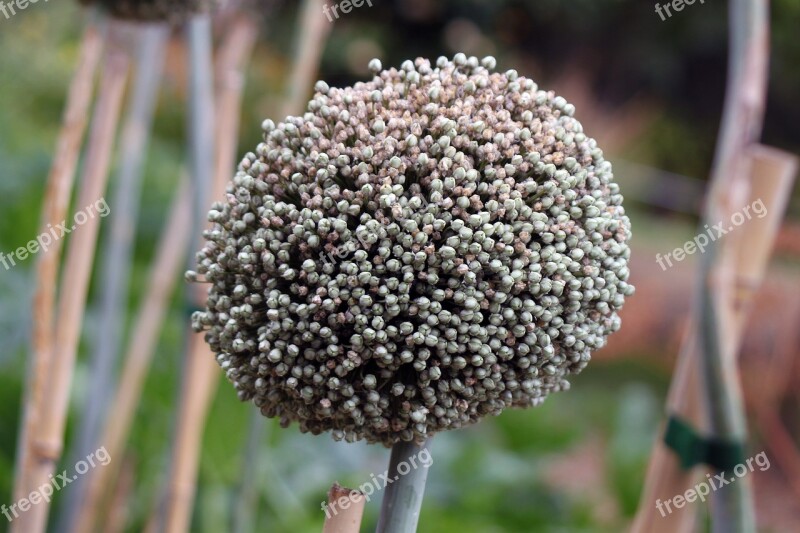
(693, 448)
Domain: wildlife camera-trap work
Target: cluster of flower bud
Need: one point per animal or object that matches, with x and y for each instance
(481, 254)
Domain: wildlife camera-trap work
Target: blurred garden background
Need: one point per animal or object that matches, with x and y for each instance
(649, 90)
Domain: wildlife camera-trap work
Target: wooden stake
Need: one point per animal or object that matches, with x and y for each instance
(201, 372)
(665, 477)
(309, 45)
(152, 40)
(49, 435)
(164, 274)
(232, 62)
(119, 504)
(741, 126)
(199, 383)
(56, 202)
(344, 511)
(771, 176)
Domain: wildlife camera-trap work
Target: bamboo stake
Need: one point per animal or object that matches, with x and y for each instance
(740, 129)
(231, 65)
(48, 440)
(119, 246)
(771, 176)
(309, 45)
(237, 47)
(164, 274)
(56, 202)
(772, 173)
(174, 513)
(402, 499)
(200, 377)
(120, 498)
(344, 511)
(665, 477)
(201, 370)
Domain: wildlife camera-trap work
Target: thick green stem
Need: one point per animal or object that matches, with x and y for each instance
(402, 499)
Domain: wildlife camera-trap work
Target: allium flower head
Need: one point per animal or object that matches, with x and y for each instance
(414, 253)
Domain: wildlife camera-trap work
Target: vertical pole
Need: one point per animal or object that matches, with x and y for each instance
(402, 499)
